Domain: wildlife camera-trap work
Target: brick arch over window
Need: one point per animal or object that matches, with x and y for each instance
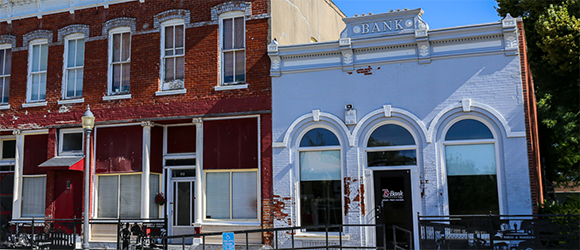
(171, 14)
(72, 29)
(119, 22)
(37, 34)
(217, 10)
(8, 39)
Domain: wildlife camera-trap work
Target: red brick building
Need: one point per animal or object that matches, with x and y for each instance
(181, 92)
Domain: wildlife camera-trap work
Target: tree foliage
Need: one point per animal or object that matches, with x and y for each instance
(552, 30)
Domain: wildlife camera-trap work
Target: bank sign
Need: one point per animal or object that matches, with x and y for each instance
(391, 23)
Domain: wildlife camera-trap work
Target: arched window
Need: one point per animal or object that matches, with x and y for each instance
(471, 168)
(320, 174)
(391, 145)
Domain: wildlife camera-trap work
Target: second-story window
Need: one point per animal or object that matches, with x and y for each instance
(120, 60)
(37, 70)
(5, 66)
(233, 50)
(74, 63)
(173, 53)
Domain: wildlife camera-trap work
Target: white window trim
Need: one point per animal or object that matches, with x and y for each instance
(172, 22)
(71, 101)
(61, 133)
(29, 101)
(20, 198)
(299, 149)
(110, 94)
(499, 173)
(65, 68)
(233, 85)
(116, 97)
(96, 188)
(3, 47)
(2, 139)
(231, 171)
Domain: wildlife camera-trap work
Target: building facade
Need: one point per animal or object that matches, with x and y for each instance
(181, 92)
(394, 120)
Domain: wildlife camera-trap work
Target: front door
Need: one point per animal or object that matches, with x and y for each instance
(182, 202)
(394, 207)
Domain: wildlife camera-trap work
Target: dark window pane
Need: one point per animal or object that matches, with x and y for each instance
(183, 204)
(227, 34)
(320, 204)
(319, 137)
(8, 149)
(183, 173)
(72, 142)
(392, 158)
(240, 66)
(239, 32)
(472, 194)
(468, 130)
(180, 162)
(390, 135)
(7, 168)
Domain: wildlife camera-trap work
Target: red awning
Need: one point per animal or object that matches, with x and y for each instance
(64, 163)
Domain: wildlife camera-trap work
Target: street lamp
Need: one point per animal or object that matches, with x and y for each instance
(88, 121)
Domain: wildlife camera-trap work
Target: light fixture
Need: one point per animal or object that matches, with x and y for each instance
(88, 119)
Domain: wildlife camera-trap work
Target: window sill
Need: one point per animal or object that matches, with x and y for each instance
(34, 104)
(171, 92)
(116, 97)
(230, 87)
(4, 106)
(230, 223)
(71, 101)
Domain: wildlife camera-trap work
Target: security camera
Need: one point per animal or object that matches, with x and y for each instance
(348, 106)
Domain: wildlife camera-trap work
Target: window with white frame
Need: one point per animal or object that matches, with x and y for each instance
(37, 66)
(154, 189)
(173, 54)
(74, 56)
(8, 149)
(71, 142)
(119, 196)
(320, 179)
(472, 185)
(119, 60)
(5, 67)
(33, 196)
(231, 194)
(391, 145)
(233, 48)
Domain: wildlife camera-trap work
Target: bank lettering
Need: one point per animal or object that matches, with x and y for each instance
(384, 26)
(392, 194)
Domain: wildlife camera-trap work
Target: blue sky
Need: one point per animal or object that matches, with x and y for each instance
(438, 13)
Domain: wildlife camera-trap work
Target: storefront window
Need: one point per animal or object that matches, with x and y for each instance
(471, 169)
(320, 174)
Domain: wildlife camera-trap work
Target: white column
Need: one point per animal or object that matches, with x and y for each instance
(198, 170)
(145, 197)
(17, 174)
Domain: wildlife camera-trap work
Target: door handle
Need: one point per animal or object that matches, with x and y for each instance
(378, 211)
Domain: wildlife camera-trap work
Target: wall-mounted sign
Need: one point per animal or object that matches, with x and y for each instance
(391, 23)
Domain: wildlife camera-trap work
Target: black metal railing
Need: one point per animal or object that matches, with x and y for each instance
(337, 242)
(500, 232)
(402, 245)
(43, 233)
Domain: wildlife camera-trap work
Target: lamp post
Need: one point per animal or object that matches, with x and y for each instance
(88, 121)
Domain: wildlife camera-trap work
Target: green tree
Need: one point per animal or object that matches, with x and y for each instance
(552, 30)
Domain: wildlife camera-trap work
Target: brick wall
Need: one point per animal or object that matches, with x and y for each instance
(531, 117)
(201, 74)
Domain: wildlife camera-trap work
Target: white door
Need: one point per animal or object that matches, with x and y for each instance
(182, 202)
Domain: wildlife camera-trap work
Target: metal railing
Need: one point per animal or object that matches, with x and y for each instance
(500, 232)
(42, 233)
(327, 229)
(406, 232)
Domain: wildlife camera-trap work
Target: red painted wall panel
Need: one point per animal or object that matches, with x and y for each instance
(156, 157)
(119, 149)
(181, 139)
(230, 144)
(35, 153)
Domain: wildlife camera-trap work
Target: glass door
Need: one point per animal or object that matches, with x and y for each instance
(182, 201)
(394, 207)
